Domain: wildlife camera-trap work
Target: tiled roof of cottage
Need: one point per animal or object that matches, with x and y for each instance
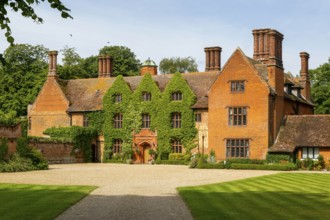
(87, 94)
(303, 131)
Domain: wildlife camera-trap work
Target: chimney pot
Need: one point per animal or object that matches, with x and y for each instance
(52, 62)
(213, 58)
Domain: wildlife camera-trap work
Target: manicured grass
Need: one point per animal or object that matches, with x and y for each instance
(278, 196)
(38, 201)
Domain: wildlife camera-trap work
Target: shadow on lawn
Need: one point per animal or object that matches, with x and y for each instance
(257, 205)
(128, 207)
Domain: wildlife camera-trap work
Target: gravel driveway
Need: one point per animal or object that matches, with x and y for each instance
(128, 191)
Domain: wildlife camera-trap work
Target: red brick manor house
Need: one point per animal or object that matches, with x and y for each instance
(243, 109)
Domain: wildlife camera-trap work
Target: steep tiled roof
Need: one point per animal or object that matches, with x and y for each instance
(87, 94)
(303, 131)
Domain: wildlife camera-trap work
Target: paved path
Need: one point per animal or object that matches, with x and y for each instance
(128, 191)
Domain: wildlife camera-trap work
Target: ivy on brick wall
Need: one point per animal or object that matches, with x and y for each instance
(187, 132)
(81, 137)
(96, 120)
(148, 85)
(160, 108)
(3, 147)
(111, 107)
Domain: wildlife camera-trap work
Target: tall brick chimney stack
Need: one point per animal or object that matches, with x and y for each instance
(212, 59)
(268, 50)
(268, 46)
(105, 66)
(52, 57)
(304, 76)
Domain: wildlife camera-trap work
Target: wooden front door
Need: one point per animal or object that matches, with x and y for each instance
(146, 156)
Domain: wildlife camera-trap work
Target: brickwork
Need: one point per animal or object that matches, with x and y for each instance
(255, 98)
(49, 108)
(77, 119)
(152, 70)
(58, 152)
(11, 133)
(202, 128)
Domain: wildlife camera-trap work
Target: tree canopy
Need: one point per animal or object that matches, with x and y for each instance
(178, 64)
(124, 60)
(320, 78)
(22, 77)
(75, 67)
(25, 7)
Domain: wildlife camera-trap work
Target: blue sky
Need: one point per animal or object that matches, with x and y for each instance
(159, 29)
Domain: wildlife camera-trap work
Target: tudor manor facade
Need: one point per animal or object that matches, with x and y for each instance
(238, 110)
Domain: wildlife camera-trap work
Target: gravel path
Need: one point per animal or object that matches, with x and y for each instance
(128, 191)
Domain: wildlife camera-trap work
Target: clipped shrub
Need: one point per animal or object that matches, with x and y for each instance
(201, 161)
(219, 165)
(172, 162)
(282, 167)
(321, 162)
(278, 158)
(229, 162)
(193, 163)
(176, 156)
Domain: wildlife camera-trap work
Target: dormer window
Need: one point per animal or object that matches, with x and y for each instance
(146, 96)
(118, 98)
(237, 86)
(288, 89)
(176, 96)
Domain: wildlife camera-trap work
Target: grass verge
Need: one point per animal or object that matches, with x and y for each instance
(278, 196)
(21, 201)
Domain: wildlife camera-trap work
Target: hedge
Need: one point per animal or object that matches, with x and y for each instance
(212, 166)
(172, 162)
(282, 167)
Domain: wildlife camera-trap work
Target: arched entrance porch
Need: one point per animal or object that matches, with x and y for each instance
(143, 155)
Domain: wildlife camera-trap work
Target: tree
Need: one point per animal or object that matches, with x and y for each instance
(75, 67)
(25, 7)
(177, 64)
(320, 78)
(22, 77)
(124, 60)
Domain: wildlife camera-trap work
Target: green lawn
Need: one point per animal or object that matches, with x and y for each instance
(38, 201)
(278, 196)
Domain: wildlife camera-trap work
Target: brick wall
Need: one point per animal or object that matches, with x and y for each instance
(49, 109)
(58, 152)
(255, 98)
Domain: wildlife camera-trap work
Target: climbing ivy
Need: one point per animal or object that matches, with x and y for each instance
(81, 137)
(148, 85)
(187, 132)
(111, 108)
(3, 148)
(160, 109)
(96, 120)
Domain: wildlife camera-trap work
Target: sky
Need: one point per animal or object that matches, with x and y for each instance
(180, 28)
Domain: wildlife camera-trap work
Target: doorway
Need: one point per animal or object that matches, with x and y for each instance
(95, 153)
(146, 156)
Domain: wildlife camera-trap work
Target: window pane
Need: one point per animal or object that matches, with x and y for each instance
(228, 152)
(232, 152)
(310, 152)
(228, 143)
(232, 142)
(235, 111)
(316, 153)
(304, 152)
(244, 119)
(242, 152)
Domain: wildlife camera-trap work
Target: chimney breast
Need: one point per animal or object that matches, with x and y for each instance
(212, 58)
(105, 66)
(52, 62)
(304, 76)
(268, 46)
